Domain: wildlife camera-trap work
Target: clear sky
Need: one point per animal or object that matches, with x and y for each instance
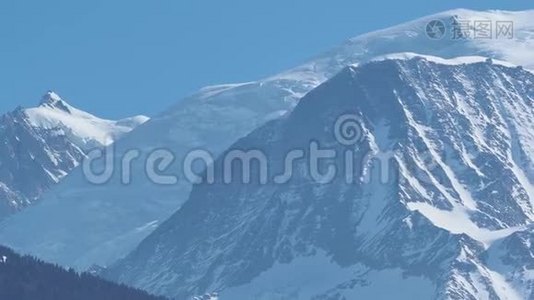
(117, 58)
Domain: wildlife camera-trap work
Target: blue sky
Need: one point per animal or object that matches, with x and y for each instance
(119, 58)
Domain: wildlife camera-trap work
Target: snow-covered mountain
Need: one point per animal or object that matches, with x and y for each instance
(454, 226)
(41, 145)
(81, 224)
(83, 129)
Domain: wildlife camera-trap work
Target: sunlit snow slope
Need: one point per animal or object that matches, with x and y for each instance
(85, 130)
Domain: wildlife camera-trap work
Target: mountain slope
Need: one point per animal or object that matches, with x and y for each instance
(451, 176)
(25, 278)
(99, 224)
(41, 145)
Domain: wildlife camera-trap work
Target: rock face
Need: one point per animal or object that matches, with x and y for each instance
(100, 224)
(32, 160)
(441, 212)
(39, 146)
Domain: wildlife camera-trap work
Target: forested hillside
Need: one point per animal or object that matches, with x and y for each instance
(26, 278)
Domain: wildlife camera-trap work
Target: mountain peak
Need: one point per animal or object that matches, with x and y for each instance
(393, 103)
(53, 100)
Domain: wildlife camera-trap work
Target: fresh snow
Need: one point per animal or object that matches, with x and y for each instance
(454, 61)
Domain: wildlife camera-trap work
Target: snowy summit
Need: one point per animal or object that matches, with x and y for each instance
(41, 145)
